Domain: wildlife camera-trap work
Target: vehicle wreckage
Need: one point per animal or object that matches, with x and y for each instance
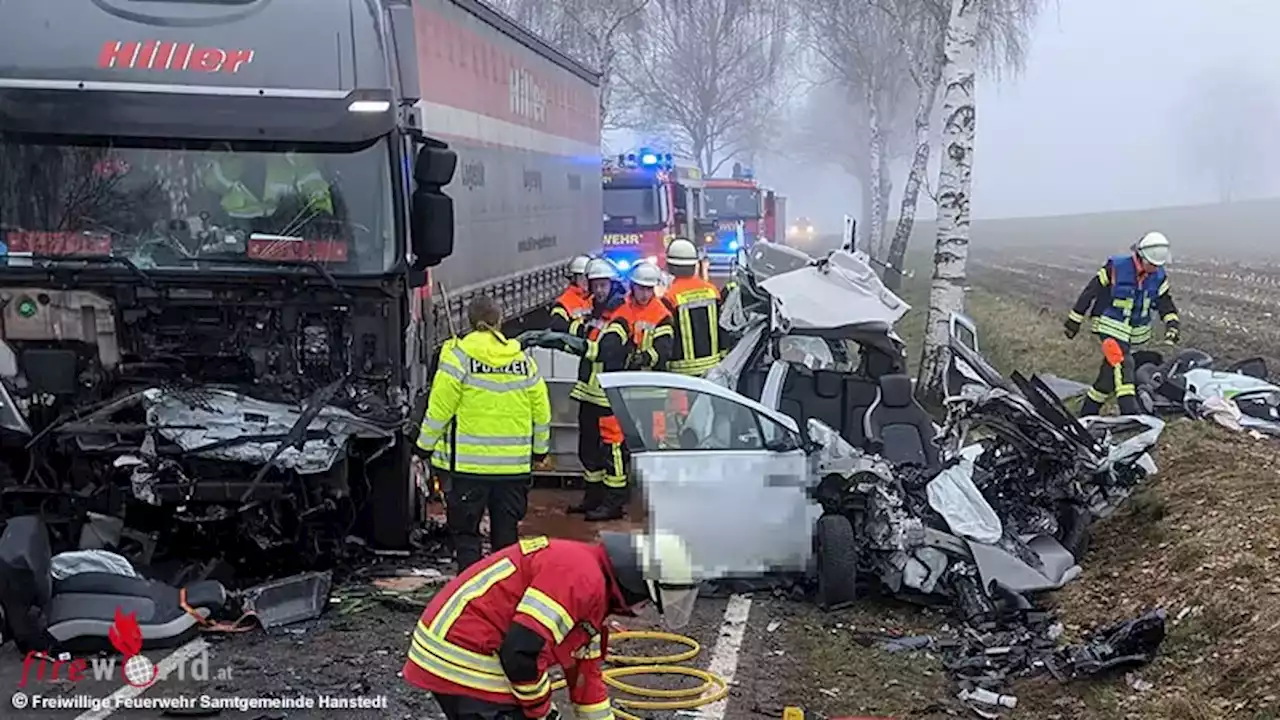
(1240, 396)
(805, 450)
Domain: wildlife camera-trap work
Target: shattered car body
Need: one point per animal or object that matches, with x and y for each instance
(1187, 384)
(804, 449)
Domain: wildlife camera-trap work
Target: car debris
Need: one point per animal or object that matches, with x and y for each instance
(852, 478)
(1240, 396)
(288, 600)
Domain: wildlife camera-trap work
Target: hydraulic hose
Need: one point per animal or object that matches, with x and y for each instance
(713, 687)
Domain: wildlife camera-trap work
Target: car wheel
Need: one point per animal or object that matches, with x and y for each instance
(837, 557)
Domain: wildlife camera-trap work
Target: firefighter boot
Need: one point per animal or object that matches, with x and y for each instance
(591, 498)
(612, 507)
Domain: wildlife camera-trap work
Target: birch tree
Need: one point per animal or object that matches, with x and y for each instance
(966, 21)
(707, 74)
(858, 46)
(590, 31)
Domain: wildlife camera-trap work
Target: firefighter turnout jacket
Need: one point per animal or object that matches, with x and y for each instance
(1120, 299)
(651, 334)
(570, 309)
(289, 174)
(479, 636)
(607, 349)
(694, 304)
(489, 412)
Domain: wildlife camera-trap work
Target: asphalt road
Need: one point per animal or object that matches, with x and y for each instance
(359, 656)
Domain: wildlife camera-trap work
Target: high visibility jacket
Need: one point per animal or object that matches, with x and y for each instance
(489, 411)
(557, 588)
(570, 309)
(694, 305)
(1121, 299)
(608, 345)
(650, 332)
(290, 174)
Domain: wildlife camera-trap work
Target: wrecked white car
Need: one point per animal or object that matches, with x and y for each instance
(819, 457)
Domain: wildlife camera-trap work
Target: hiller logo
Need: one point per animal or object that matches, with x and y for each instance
(137, 670)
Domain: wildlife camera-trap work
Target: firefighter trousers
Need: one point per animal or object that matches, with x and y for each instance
(468, 497)
(1115, 377)
(461, 707)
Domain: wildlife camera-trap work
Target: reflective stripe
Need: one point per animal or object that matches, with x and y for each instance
(1164, 288)
(592, 476)
(447, 651)
(473, 588)
(1123, 389)
(1074, 316)
(1171, 317)
(443, 455)
(459, 675)
(1103, 277)
(618, 477)
(595, 711)
(1096, 395)
(590, 651)
(549, 613)
(532, 692)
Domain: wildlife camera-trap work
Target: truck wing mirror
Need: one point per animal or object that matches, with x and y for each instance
(431, 210)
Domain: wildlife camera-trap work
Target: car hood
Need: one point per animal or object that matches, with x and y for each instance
(839, 291)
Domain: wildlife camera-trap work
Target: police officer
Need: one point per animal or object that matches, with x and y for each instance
(487, 419)
(606, 351)
(1120, 300)
(694, 306)
(574, 304)
(485, 643)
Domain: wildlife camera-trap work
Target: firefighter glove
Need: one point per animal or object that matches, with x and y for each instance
(1171, 335)
(530, 338)
(1070, 328)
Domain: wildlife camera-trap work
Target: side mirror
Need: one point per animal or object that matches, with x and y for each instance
(430, 209)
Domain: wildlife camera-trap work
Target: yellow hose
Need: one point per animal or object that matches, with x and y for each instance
(681, 699)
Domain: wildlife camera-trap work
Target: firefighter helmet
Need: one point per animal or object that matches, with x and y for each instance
(1154, 248)
(601, 269)
(646, 274)
(682, 253)
(578, 265)
(655, 567)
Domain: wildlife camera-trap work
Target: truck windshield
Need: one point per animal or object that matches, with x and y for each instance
(735, 203)
(188, 206)
(631, 207)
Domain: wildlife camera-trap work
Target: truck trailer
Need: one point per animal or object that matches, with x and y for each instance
(233, 236)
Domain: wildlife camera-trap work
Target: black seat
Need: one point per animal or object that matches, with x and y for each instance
(836, 398)
(898, 428)
(75, 614)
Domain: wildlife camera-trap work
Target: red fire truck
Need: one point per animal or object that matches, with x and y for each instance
(743, 213)
(648, 201)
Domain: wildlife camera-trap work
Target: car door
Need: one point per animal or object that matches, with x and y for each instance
(724, 472)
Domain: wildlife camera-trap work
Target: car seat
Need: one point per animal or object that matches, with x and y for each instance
(898, 428)
(75, 614)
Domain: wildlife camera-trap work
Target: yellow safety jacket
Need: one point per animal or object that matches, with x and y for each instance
(489, 411)
(694, 305)
(290, 174)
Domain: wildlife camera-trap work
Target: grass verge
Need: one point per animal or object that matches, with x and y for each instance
(1201, 541)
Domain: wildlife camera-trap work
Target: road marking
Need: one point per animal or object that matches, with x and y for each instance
(127, 692)
(724, 657)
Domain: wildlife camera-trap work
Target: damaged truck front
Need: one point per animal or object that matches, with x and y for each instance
(213, 216)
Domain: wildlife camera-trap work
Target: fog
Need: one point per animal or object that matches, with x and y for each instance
(1098, 119)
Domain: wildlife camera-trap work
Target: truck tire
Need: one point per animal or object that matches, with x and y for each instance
(836, 550)
(394, 505)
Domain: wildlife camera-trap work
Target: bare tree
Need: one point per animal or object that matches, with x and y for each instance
(706, 74)
(1227, 126)
(967, 21)
(859, 47)
(590, 31)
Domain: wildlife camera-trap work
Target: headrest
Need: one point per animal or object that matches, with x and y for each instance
(895, 390)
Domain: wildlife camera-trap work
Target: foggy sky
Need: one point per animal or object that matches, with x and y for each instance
(1091, 123)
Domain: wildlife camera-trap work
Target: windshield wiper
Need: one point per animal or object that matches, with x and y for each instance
(90, 259)
(314, 265)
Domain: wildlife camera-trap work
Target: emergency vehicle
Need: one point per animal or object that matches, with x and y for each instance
(742, 213)
(648, 201)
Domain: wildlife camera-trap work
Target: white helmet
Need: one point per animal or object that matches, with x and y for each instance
(646, 274)
(601, 269)
(1154, 248)
(682, 253)
(656, 567)
(578, 265)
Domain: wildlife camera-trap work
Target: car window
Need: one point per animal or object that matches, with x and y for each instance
(818, 353)
(670, 419)
(778, 437)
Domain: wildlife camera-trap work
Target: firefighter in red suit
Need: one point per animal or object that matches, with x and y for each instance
(485, 643)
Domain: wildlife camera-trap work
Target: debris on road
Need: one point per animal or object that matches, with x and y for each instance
(288, 600)
(1239, 396)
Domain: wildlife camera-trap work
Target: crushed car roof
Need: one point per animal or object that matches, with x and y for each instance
(837, 291)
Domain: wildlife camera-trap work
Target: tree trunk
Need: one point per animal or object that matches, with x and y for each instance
(875, 230)
(911, 191)
(951, 250)
(886, 192)
(864, 217)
